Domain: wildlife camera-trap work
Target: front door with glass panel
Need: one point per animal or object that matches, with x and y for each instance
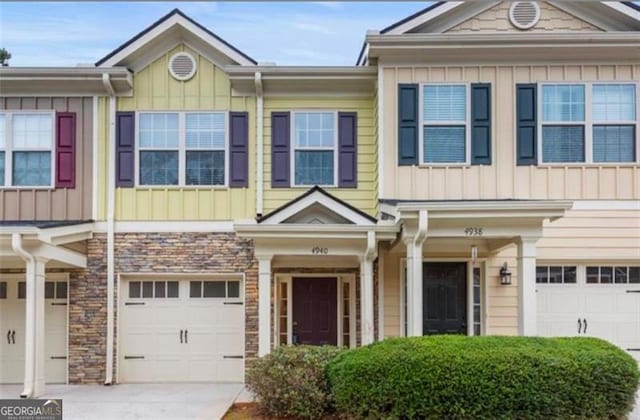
(444, 298)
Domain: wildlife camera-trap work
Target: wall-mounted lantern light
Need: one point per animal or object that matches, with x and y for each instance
(505, 275)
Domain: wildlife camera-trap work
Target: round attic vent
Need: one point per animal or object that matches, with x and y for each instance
(182, 66)
(524, 14)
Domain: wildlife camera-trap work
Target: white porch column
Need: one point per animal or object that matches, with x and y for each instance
(527, 286)
(34, 328)
(366, 301)
(264, 305)
(414, 277)
(39, 306)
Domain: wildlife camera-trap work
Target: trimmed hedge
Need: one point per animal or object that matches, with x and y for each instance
(292, 382)
(485, 378)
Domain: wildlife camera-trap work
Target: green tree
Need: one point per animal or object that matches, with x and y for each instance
(5, 56)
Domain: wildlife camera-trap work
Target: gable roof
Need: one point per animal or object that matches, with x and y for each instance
(173, 19)
(312, 196)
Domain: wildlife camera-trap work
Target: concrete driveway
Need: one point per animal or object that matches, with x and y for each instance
(139, 401)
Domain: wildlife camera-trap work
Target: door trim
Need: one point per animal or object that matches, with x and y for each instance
(341, 279)
(481, 263)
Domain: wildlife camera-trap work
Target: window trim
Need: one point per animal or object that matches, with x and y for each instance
(588, 122)
(422, 124)
(292, 145)
(182, 149)
(9, 150)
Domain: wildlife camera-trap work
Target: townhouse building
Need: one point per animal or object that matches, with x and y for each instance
(177, 210)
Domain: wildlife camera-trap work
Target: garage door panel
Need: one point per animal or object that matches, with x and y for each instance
(210, 328)
(563, 304)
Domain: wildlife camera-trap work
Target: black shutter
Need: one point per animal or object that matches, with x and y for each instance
(347, 150)
(280, 150)
(125, 149)
(239, 149)
(481, 124)
(407, 124)
(527, 124)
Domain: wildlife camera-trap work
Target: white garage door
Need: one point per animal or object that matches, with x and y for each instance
(596, 301)
(182, 331)
(12, 330)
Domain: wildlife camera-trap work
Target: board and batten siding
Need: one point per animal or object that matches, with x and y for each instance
(503, 179)
(54, 203)
(365, 196)
(156, 90)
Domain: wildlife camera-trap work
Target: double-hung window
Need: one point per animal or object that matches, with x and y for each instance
(588, 122)
(314, 145)
(182, 148)
(445, 127)
(26, 143)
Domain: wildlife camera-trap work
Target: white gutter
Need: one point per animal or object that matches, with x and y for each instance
(94, 163)
(259, 144)
(30, 351)
(110, 227)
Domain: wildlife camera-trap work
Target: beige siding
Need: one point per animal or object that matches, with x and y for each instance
(209, 89)
(593, 236)
(55, 204)
(503, 179)
(365, 195)
(496, 19)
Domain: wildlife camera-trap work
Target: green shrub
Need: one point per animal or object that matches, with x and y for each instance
(292, 381)
(460, 377)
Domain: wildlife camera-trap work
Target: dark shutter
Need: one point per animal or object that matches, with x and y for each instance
(65, 150)
(239, 149)
(481, 124)
(527, 121)
(125, 149)
(347, 150)
(280, 149)
(407, 124)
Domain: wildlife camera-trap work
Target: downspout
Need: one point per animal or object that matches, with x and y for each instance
(111, 170)
(260, 144)
(30, 353)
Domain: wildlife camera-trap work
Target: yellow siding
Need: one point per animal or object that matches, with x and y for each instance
(496, 19)
(503, 179)
(365, 196)
(155, 89)
(592, 236)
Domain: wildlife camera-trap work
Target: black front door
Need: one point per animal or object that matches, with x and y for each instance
(444, 299)
(315, 310)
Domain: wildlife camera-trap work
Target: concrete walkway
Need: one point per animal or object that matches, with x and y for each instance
(139, 401)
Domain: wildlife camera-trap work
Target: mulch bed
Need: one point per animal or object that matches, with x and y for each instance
(250, 411)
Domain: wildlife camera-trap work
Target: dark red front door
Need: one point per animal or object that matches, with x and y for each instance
(315, 315)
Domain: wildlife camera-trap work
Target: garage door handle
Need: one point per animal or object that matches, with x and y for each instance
(233, 357)
(633, 291)
(186, 340)
(180, 336)
(13, 337)
(233, 303)
(133, 303)
(585, 326)
(58, 357)
(9, 337)
(579, 325)
(133, 357)
(58, 303)
(633, 349)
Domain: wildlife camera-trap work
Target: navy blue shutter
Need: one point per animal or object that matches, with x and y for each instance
(280, 150)
(407, 124)
(347, 149)
(125, 149)
(239, 149)
(527, 124)
(481, 124)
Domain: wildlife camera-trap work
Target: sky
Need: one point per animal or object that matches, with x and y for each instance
(288, 33)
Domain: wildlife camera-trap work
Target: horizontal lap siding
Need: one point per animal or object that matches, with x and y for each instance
(208, 90)
(61, 203)
(589, 235)
(503, 179)
(365, 196)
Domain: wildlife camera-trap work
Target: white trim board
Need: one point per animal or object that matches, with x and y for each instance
(167, 226)
(606, 205)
